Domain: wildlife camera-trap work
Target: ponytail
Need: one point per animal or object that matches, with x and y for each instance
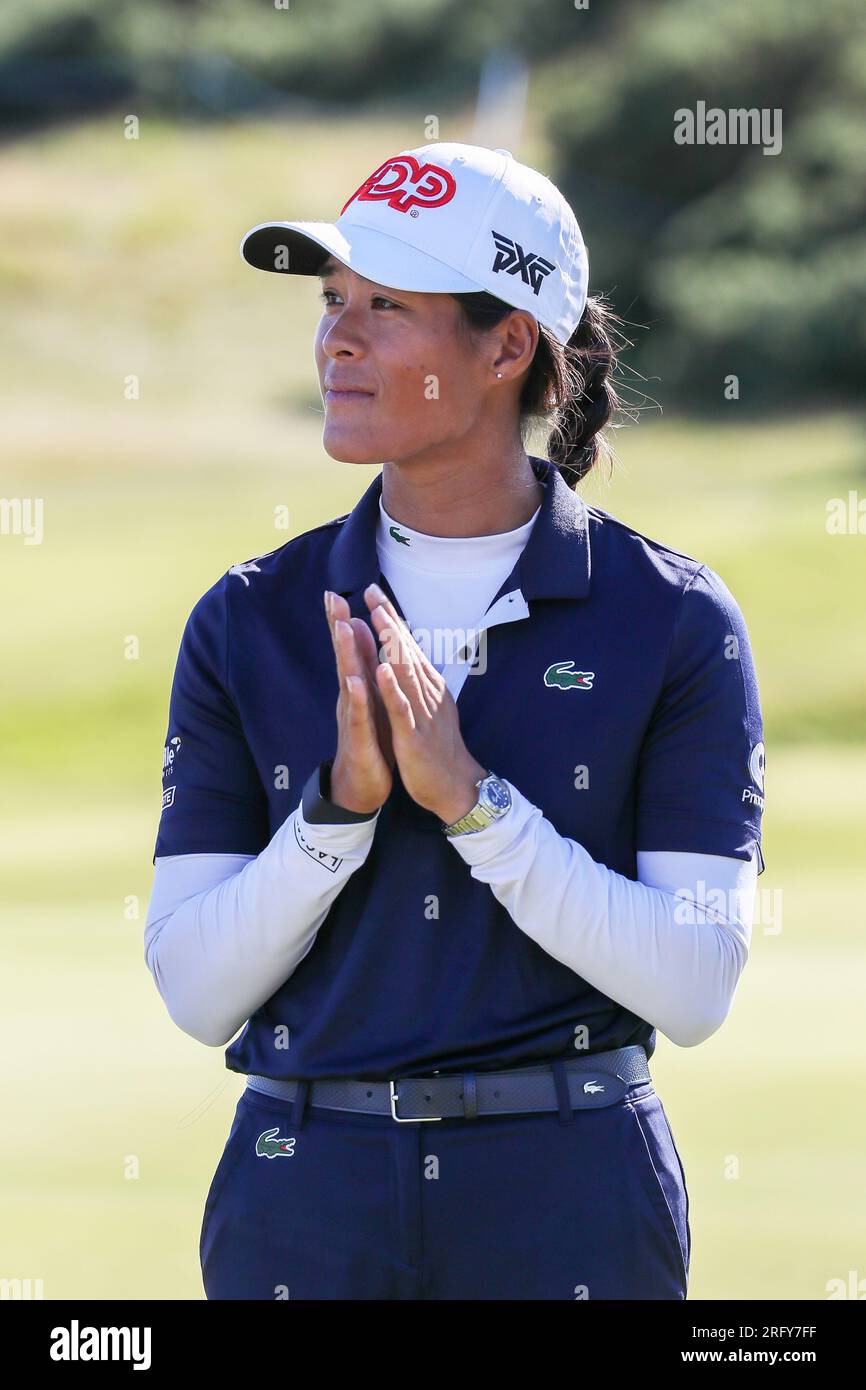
(577, 390)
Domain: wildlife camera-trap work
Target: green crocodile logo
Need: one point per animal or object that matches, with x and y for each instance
(561, 674)
(268, 1146)
(404, 540)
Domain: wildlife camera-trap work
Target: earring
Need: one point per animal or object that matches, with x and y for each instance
(498, 375)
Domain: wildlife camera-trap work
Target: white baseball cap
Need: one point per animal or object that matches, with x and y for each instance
(448, 218)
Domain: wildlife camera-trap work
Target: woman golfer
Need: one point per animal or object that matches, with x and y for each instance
(449, 922)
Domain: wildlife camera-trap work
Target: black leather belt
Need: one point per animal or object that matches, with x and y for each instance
(590, 1081)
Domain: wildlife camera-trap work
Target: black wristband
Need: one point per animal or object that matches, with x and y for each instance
(316, 806)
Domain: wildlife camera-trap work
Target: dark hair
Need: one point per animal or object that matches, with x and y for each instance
(568, 384)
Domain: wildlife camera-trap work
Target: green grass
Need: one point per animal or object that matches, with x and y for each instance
(146, 504)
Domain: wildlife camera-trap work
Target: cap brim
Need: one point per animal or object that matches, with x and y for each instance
(265, 246)
(373, 254)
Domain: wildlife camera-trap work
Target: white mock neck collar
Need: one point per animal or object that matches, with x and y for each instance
(416, 550)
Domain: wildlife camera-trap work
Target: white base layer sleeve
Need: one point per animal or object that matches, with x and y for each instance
(670, 946)
(224, 931)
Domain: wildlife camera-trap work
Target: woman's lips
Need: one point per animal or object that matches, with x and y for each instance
(335, 397)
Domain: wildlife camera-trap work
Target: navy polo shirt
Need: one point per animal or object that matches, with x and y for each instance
(657, 745)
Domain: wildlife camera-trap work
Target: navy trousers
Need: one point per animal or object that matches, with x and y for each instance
(310, 1203)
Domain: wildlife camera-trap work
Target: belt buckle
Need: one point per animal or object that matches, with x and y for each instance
(407, 1119)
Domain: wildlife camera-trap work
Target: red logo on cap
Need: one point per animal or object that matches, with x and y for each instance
(403, 182)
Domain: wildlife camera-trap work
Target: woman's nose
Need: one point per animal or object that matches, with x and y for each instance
(342, 335)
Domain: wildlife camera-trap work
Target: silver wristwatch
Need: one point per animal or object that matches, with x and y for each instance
(494, 799)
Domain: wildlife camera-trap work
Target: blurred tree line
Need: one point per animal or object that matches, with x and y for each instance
(737, 261)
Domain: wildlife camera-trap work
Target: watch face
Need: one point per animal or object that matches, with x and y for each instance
(496, 794)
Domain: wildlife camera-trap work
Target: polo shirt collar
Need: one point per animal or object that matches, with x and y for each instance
(554, 563)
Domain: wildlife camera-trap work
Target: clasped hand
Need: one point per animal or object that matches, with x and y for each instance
(398, 710)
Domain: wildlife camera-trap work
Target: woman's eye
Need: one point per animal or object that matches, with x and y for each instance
(326, 299)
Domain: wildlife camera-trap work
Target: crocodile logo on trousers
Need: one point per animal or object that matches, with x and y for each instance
(269, 1146)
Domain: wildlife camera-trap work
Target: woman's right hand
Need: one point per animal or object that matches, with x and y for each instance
(361, 773)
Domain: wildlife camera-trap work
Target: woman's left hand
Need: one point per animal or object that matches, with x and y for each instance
(436, 767)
